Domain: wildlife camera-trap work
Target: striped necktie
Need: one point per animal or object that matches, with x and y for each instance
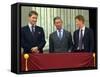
(80, 40)
(60, 34)
(33, 30)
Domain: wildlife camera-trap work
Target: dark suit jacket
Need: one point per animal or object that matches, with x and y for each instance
(28, 41)
(57, 45)
(88, 39)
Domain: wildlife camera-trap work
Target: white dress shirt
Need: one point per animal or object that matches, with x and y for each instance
(61, 32)
(83, 31)
(30, 26)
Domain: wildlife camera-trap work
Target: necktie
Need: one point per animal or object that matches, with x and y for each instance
(33, 30)
(80, 40)
(60, 34)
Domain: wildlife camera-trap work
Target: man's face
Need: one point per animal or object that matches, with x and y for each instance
(79, 23)
(58, 23)
(33, 19)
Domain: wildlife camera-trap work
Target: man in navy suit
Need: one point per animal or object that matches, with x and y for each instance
(83, 37)
(32, 36)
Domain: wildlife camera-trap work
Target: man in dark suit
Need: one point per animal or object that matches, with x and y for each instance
(32, 36)
(83, 37)
(60, 40)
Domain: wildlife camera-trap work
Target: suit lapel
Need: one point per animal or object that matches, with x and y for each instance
(56, 36)
(77, 35)
(85, 33)
(29, 32)
(36, 31)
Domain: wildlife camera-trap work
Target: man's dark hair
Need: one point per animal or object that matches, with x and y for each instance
(32, 12)
(56, 19)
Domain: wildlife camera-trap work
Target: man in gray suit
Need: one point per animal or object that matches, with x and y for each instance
(60, 40)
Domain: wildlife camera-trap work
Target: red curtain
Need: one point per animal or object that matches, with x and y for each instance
(57, 61)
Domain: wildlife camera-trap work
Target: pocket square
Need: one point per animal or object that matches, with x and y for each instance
(39, 32)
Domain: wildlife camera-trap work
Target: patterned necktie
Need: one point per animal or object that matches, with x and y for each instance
(60, 34)
(80, 40)
(33, 30)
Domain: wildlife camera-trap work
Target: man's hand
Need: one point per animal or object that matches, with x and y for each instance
(35, 49)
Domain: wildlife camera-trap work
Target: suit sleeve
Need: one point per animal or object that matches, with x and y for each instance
(23, 42)
(42, 42)
(91, 40)
(51, 45)
(74, 43)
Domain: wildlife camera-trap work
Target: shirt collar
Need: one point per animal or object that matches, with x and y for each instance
(83, 28)
(30, 25)
(60, 30)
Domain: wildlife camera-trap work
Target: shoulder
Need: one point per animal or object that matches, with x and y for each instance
(76, 31)
(89, 29)
(24, 27)
(67, 32)
(39, 28)
(52, 34)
